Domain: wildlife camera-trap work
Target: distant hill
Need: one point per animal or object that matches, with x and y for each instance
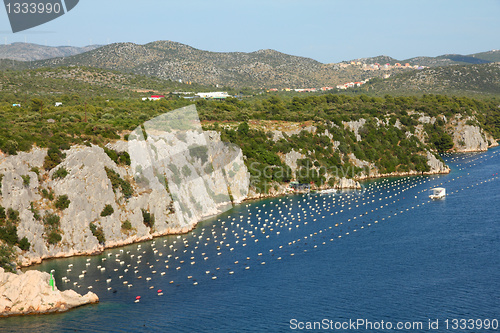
(439, 61)
(460, 80)
(176, 61)
(6, 64)
(31, 52)
(381, 60)
(86, 82)
(446, 60)
(261, 69)
(493, 55)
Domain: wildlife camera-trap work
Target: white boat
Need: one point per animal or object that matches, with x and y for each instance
(438, 193)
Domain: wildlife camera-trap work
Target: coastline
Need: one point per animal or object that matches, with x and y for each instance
(27, 262)
(60, 307)
(275, 190)
(101, 248)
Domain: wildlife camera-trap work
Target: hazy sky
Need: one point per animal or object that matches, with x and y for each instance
(325, 30)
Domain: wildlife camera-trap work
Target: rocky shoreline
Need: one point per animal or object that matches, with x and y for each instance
(101, 248)
(31, 293)
(88, 189)
(437, 168)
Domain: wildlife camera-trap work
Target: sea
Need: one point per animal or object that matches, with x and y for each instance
(382, 259)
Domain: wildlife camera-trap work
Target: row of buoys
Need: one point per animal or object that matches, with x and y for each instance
(233, 231)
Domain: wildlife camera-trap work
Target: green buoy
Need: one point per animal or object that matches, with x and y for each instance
(51, 281)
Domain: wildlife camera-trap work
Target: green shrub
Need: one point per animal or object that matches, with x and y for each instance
(122, 158)
(24, 244)
(26, 180)
(53, 158)
(11, 147)
(60, 173)
(35, 212)
(13, 215)
(98, 232)
(3, 216)
(1, 177)
(444, 142)
(186, 171)
(52, 220)
(108, 210)
(148, 218)
(6, 258)
(54, 237)
(8, 234)
(62, 202)
(126, 225)
(118, 182)
(48, 194)
(52, 223)
(113, 154)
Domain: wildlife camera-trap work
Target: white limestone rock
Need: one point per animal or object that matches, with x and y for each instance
(291, 159)
(436, 165)
(369, 169)
(355, 126)
(31, 293)
(277, 135)
(469, 138)
(347, 183)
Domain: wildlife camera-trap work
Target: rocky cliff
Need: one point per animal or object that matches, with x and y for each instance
(31, 293)
(175, 179)
(90, 187)
(468, 136)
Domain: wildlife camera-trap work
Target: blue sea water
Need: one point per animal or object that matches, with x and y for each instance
(387, 254)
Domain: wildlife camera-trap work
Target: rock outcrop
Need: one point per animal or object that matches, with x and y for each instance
(205, 176)
(436, 165)
(89, 189)
(347, 183)
(291, 159)
(355, 126)
(468, 137)
(31, 293)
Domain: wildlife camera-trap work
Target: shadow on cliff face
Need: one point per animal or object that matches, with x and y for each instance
(201, 174)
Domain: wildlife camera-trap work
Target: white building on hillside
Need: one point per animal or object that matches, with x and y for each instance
(215, 95)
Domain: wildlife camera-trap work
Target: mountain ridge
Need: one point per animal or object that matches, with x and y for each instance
(176, 61)
(33, 52)
(261, 69)
(482, 79)
(441, 60)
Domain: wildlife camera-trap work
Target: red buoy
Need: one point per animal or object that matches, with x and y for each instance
(159, 290)
(138, 297)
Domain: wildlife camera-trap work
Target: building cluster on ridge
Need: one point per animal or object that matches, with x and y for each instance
(366, 67)
(382, 67)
